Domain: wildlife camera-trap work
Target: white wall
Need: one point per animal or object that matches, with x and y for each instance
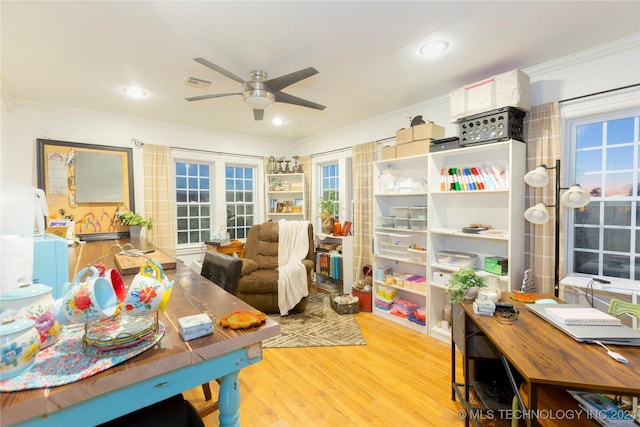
(24, 123)
(602, 68)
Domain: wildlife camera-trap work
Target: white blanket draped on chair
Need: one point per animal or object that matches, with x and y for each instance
(293, 246)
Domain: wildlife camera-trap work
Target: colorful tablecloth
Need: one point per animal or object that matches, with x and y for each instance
(66, 362)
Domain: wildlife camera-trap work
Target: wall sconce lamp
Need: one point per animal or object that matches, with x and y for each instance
(574, 197)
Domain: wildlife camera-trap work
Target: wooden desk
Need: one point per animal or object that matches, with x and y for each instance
(547, 357)
(169, 368)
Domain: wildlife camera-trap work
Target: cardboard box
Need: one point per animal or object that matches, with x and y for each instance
(427, 131)
(388, 152)
(440, 277)
(414, 148)
(510, 89)
(404, 135)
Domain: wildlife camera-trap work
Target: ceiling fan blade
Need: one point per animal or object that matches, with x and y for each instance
(290, 99)
(258, 114)
(279, 83)
(215, 95)
(219, 69)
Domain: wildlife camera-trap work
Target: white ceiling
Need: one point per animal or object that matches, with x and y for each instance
(81, 54)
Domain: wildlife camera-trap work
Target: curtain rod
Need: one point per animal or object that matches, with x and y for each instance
(338, 150)
(598, 93)
(217, 152)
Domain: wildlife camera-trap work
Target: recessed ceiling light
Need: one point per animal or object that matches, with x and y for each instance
(277, 121)
(135, 92)
(434, 48)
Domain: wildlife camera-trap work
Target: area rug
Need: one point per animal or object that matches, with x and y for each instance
(318, 326)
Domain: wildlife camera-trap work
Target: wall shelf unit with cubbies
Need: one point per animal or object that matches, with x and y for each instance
(400, 291)
(476, 206)
(285, 196)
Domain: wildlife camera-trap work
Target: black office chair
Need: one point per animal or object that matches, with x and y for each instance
(224, 271)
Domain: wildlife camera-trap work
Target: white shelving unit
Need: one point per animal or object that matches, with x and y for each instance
(449, 211)
(392, 238)
(342, 280)
(285, 196)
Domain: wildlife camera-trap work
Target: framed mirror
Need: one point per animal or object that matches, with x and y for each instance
(87, 184)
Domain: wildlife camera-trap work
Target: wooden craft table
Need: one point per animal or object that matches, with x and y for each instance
(545, 357)
(167, 369)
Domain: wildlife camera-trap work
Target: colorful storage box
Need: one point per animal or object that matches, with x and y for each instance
(496, 265)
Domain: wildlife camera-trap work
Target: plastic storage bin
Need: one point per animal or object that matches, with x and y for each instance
(393, 244)
(401, 211)
(417, 255)
(458, 259)
(386, 221)
(401, 223)
(418, 212)
(418, 224)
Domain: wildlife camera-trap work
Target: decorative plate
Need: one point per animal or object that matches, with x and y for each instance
(524, 297)
(243, 319)
(119, 333)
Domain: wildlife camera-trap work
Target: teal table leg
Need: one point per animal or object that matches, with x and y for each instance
(229, 400)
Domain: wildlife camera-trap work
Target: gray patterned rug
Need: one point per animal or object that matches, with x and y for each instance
(318, 326)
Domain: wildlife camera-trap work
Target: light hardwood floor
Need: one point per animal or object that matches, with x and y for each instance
(399, 378)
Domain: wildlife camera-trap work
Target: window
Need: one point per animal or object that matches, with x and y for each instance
(329, 184)
(193, 202)
(239, 191)
(606, 239)
(215, 194)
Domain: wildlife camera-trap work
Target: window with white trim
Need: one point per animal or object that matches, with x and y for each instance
(215, 194)
(193, 202)
(605, 154)
(239, 194)
(329, 184)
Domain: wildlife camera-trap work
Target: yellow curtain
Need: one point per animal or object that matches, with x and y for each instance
(159, 196)
(543, 147)
(363, 157)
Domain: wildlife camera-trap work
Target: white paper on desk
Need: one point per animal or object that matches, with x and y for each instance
(16, 260)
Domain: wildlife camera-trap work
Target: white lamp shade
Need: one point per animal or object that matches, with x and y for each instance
(537, 177)
(575, 197)
(537, 214)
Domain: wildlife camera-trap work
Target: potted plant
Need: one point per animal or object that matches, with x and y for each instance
(135, 222)
(327, 210)
(464, 284)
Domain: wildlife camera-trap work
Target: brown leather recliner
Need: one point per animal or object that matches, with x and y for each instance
(258, 284)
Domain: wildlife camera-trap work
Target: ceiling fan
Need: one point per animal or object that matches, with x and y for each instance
(259, 92)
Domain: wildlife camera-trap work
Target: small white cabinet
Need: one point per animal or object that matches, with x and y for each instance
(285, 196)
(334, 263)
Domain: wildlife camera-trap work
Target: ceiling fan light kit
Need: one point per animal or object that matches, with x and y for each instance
(261, 93)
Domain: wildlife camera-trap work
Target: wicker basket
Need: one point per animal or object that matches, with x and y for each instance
(352, 308)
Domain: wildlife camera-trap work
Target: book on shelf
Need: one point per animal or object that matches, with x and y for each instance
(582, 316)
(603, 410)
